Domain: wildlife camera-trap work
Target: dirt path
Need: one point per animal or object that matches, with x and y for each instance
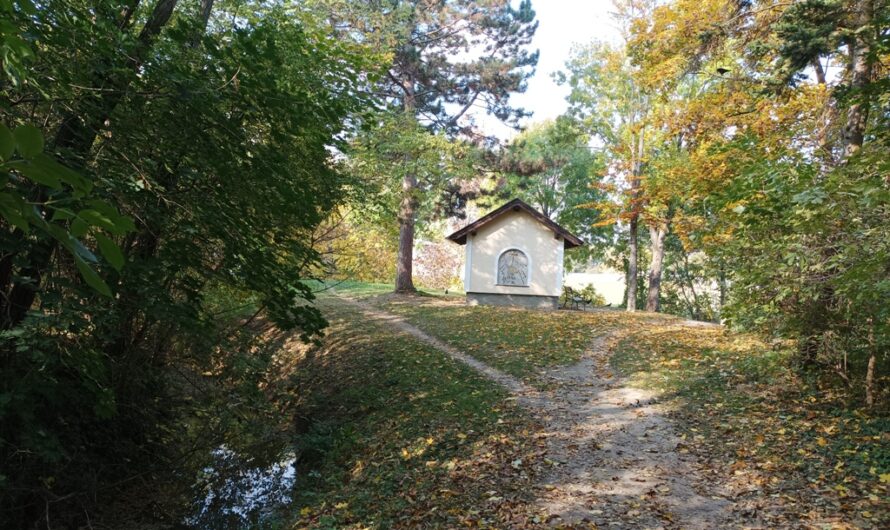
(621, 460)
(616, 458)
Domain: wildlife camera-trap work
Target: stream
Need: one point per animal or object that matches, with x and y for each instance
(232, 492)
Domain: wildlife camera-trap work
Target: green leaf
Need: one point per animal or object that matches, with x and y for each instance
(7, 142)
(43, 169)
(124, 223)
(17, 47)
(106, 216)
(11, 208)
(60, 234)
(63, 214)
(96, 218)
(37, 172)
(91, 277)
(110, 251)
(79, 227)
(74, 179)
(83, 251)
(27, 6)
(29, 140)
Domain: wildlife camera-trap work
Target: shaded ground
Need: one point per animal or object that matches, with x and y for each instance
(394, 433)
(655, 423)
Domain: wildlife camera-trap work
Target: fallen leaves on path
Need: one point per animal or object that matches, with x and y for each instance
(788, 445)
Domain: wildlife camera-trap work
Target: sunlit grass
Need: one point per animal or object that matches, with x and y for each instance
(517, 341)
(354, 289)
(520, 342)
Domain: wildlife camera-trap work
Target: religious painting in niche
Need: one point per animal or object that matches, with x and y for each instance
(513, 268)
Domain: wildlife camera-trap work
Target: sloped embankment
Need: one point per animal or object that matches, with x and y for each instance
(394, 433)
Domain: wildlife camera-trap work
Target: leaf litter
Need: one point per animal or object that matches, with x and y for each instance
(617, 451)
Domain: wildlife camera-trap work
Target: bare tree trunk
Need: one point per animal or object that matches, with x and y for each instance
(632, 273)
(407, 212)
(633, 241)
(657, 235)
(827, 118)
(870, 381)
(870, 371)
(203, 19)
(721, 285)
(696, 301)
(204, 16)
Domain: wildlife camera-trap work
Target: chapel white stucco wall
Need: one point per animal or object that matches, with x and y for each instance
(521, 231)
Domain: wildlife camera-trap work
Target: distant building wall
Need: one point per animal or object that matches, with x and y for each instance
(608, 284)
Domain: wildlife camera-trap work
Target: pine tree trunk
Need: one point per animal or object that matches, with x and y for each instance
(407, 213)
(657, 236)
(407, 208)
(857, 114)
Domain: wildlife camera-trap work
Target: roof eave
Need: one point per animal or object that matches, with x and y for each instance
(569, 240)
(459, 239)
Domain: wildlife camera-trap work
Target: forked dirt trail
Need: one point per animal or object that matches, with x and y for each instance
(620, 460)
(616, 460)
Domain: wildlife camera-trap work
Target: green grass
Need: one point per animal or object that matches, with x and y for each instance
(354, 289)
(520, 342)
(696, 364)
(399, 435)
(517, 341)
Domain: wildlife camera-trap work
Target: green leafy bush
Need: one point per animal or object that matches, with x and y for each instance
(590, 294)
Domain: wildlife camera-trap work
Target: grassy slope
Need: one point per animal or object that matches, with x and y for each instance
(402, 436)
(736, 399)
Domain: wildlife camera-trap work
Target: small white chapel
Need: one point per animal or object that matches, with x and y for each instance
(514, 256)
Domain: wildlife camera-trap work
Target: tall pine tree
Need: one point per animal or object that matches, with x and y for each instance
(451, 58)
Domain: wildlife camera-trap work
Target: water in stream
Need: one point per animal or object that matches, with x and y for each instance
(233, 493)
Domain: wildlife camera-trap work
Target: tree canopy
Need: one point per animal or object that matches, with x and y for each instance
(176, 175)
(162, 167)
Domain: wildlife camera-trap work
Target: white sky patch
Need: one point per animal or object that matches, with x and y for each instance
(561, 23)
